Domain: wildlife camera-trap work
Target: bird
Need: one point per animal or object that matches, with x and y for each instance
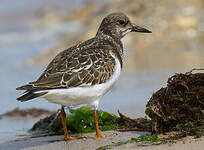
(84, 73)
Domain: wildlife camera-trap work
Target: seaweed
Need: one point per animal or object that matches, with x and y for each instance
(179, 106)
(128, 124)
(79, 121)
(142, 140)
(153, 139)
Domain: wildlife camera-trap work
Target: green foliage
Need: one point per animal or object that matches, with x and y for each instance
(82, 120)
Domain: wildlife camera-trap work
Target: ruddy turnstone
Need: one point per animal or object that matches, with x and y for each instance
(82, 74)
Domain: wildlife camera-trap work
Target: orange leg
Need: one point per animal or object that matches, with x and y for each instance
(98, 135)
(63, 118)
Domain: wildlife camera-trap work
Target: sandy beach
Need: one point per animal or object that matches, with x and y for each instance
(34, 31)
(89, 143)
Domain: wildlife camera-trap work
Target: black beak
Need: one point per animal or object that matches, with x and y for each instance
(136, 28)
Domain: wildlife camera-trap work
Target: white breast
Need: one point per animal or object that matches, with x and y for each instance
(83, 95)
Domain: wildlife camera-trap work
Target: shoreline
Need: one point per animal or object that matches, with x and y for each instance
(56, 142)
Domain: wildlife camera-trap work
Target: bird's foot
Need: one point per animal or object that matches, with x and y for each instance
(69, 138)
(99, 136)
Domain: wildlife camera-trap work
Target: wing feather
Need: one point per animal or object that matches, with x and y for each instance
(76, 67)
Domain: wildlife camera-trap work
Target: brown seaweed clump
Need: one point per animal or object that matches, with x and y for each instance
(179, 106)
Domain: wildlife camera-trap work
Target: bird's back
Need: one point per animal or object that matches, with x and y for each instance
(89, 63)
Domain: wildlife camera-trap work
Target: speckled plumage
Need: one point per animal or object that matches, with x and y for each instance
(87, 64)
(83, 73)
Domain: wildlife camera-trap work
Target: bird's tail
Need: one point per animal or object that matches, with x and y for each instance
(30, 95)
(27, 87)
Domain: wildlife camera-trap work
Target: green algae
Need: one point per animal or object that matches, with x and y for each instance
(147, 139)
(142, 140)
(110, 146)
(80, 120)
(177, 107)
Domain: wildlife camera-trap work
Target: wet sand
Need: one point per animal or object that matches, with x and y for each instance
(88, 143)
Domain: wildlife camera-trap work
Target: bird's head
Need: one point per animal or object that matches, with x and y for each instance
(118, 25)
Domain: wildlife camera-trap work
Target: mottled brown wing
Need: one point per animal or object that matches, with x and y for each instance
(77, 68)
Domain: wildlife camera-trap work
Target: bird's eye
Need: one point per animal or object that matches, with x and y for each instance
(121, 22)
